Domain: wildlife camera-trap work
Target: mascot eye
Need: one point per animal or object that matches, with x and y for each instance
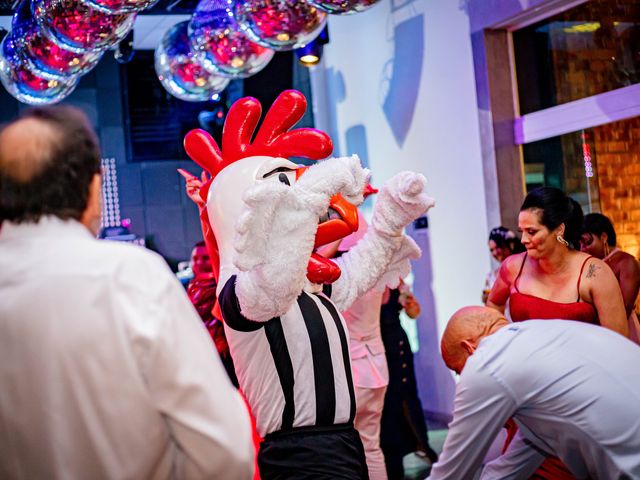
(283, 178)
(276, 170)
(282, 174)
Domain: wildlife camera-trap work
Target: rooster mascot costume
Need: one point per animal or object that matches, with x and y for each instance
(280, 301)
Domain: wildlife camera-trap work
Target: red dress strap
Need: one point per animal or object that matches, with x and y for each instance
(580, 276)
(515, 282)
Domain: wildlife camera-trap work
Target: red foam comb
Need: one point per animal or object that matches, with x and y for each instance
(203, 149)
(273, 139)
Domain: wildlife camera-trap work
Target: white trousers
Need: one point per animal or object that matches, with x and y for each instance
(369, 403)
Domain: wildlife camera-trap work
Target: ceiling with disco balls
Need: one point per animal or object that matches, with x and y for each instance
(52, 43)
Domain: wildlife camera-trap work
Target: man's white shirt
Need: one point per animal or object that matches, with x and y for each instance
(574, 390)
(106, 370)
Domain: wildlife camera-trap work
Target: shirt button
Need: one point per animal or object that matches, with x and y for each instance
(404, 365)
(404, 380)
(401, 342)
(401, 352)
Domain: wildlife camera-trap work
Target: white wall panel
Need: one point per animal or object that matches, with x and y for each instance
(399, 86)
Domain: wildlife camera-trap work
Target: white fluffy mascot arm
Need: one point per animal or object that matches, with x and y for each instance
(276, 234)
(382, 257)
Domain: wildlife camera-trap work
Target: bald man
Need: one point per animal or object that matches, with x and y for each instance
(572, 388)
(106, 370)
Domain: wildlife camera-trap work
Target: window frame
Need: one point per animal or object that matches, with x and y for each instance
(504, 129)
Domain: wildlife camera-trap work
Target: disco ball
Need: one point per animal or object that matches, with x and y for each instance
(120, 6)
(280, 24)
(179, 71)
(72, 25)
(222, 47)
(26, 86)
(45, 58)
(343, 7)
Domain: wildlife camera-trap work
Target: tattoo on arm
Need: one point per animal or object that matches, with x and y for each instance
(591, 272)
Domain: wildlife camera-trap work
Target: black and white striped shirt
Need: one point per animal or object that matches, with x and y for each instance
(295, 369)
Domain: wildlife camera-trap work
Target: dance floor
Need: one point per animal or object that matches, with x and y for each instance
(416, 468)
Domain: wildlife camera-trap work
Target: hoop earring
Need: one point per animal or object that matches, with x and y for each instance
(561, 239)
(606, 249)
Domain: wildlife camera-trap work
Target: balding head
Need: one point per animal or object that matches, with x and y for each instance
(464, 331)
(26, 146)
(48, 159)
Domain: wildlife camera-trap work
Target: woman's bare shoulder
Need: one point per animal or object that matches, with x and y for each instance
(591, 266)
(623, 259)
(515, 260)
(511, 265)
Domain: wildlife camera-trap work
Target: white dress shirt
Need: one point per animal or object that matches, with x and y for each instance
(106, 370)
(574, 390)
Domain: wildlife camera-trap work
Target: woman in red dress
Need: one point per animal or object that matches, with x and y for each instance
(554, 279)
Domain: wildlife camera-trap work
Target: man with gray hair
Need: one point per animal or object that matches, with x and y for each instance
(572, 388)
(106, 370)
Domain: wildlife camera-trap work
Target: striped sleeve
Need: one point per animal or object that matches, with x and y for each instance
(230, 308)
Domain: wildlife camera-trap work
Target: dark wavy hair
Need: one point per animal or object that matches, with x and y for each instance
(557, 208)
(58, 183)
(505, 238)
(598, 224)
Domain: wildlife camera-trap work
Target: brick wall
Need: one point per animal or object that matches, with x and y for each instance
(591, 52)
(617, 147)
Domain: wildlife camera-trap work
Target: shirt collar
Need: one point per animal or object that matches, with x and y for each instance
(47, 226)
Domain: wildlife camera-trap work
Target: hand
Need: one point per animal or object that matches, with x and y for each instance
(343, 175)
(193, 186)
(401, 200)
(411, 305)
(354, 188)
(485, 296)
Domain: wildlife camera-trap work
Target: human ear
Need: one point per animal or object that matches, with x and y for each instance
(92, 214)
(468, 346)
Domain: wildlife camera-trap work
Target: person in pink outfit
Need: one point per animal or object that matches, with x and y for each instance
(370, 376)
(368, 361)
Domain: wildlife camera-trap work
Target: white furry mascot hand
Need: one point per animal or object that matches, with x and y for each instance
(383, 255)
(276, 233)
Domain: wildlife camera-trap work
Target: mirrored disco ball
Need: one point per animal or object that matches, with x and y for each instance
(45, 58)
(180, 73)
(26, 86)
(120, 6)
(222, 47)
(280, 24)
(343, 7)
(72, 25)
